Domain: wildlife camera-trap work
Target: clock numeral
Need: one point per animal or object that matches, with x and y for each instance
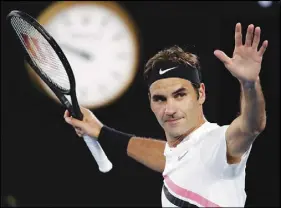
(116, 75)
(117, 36)
(65, 20)
(102, 88)
(104, 21)
(83, 93)
(122, 55)
(85, 20)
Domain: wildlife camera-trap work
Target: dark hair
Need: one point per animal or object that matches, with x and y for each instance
(177, 55)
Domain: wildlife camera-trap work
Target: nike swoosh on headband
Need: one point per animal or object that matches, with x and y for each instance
(166, 70)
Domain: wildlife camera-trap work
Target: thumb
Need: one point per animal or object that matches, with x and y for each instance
(222, 57)
(75, 122)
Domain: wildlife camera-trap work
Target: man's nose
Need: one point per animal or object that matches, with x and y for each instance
(170, 108)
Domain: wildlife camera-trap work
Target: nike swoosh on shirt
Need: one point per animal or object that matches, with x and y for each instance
(166, 70)
(181, 156)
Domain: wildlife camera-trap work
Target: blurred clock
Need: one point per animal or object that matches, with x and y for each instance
(100, 42)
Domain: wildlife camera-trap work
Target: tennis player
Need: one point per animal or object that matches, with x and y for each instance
(202, 163)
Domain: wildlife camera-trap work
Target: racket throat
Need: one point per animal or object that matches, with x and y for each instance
(76, 109)
(66, 104)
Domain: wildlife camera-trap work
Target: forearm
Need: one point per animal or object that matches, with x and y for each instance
(149, 152)
(253, 115)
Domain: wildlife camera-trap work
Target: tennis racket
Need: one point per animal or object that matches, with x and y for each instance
(48, 60)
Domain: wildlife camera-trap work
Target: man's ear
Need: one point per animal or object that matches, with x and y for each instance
(202, 94)
(149, 99)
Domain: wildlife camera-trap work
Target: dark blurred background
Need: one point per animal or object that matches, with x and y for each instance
(44, 163)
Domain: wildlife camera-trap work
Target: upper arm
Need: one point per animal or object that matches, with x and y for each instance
(149, 152)
(238, 140)
(217, 153)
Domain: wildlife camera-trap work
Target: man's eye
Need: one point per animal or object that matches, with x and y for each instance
(159, 99)
(180, 95)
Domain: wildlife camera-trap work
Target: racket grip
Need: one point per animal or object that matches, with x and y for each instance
(103, 162)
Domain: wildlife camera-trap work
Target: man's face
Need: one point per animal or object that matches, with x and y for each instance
(175, 105)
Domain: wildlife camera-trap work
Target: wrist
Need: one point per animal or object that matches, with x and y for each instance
(109, 137)
(249, 84)
(98, 131)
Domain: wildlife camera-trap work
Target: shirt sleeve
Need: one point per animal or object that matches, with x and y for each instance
(215, 157)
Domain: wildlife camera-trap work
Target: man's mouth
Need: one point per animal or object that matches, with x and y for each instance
(172, 121)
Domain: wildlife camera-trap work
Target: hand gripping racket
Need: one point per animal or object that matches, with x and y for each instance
(48, 60)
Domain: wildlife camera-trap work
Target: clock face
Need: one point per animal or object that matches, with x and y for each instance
(100, 45)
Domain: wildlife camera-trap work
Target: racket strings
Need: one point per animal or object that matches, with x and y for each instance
(41, 53)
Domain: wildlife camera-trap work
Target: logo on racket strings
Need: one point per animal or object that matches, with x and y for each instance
(33, 46)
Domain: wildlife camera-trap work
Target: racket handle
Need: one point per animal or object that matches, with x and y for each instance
(103, 162)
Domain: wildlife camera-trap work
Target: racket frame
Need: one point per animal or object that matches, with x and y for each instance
(73, 107)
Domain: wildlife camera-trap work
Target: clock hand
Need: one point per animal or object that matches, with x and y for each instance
(76, 51)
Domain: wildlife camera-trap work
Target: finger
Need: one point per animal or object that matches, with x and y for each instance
(256, 40)
(86, 112)
(77, 128)
(238, 35)
(249, 35)
(66, 114)
(79, 132)
(74, 122)
(80, 135)
(222, 57)
(263, 48)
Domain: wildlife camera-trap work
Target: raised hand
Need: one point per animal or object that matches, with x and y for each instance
(246, 60)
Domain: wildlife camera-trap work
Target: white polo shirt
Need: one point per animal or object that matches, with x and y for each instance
(197, 171)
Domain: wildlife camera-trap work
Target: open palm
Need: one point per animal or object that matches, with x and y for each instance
(245, 63)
